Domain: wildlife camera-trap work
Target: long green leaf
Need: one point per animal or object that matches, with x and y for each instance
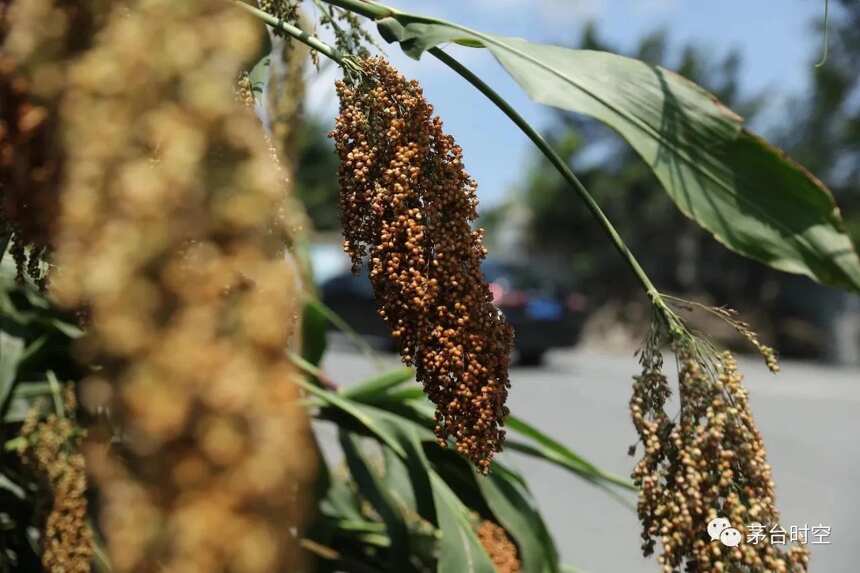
(313, 334)
(412, 403)
(372, 388)
(340, 500)
(371, 488)
(12, 487)
(554, 451)
(747, 193)
(373, 421)
(459, 548)
(396, 480)
(24, 398)
(514, 509)
(504, 491)
(11, 354)
(416, 467)
(459, 551)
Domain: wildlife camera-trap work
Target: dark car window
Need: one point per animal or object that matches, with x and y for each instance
(347, 284)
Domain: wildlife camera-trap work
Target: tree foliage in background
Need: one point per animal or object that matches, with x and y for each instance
(824, 128)
(316, 180)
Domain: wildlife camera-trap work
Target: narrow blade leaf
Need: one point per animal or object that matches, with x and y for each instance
(374, 387)
(548, 448)
(313, 334)
(459, 548)
(373, 490)
(514, 509)
(11, 354)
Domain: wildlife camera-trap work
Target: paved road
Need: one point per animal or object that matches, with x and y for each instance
(809, 415)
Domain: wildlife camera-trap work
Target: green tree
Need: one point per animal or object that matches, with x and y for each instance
(824, 134)
(316, 175)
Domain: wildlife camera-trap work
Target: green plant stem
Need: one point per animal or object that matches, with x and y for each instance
(311, 41)
(313, 371)
(557, 162)
(367, 9)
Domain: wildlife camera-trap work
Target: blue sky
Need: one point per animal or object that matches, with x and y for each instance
(775, 38)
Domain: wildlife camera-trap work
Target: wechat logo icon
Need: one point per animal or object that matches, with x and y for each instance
(720, 529)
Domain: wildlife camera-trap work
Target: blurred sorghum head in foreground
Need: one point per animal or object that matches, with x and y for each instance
(708, 462)
(38, 40)
(170, 236)
(407, 204)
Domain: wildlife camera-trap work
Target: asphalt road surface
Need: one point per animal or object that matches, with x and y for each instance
(809, 415)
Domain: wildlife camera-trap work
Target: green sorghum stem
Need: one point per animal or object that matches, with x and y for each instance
(558, 163)
(297, 33)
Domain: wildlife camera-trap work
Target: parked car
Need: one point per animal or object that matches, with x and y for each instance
(543, 314)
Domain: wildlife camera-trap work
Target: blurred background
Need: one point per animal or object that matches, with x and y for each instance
(578, 311)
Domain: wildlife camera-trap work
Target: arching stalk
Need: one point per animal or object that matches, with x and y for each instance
(311, 41)
(559, 164)
(378, 11)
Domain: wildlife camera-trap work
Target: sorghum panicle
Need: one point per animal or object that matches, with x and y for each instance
(407, 204)
(38, 38)
(710, 462)
(498, 545)
(52, 448)
(745, 330)
(170, 236)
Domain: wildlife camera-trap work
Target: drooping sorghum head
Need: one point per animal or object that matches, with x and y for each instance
(51, 448)
(708, 462)
(498, 545)
(407, 204)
